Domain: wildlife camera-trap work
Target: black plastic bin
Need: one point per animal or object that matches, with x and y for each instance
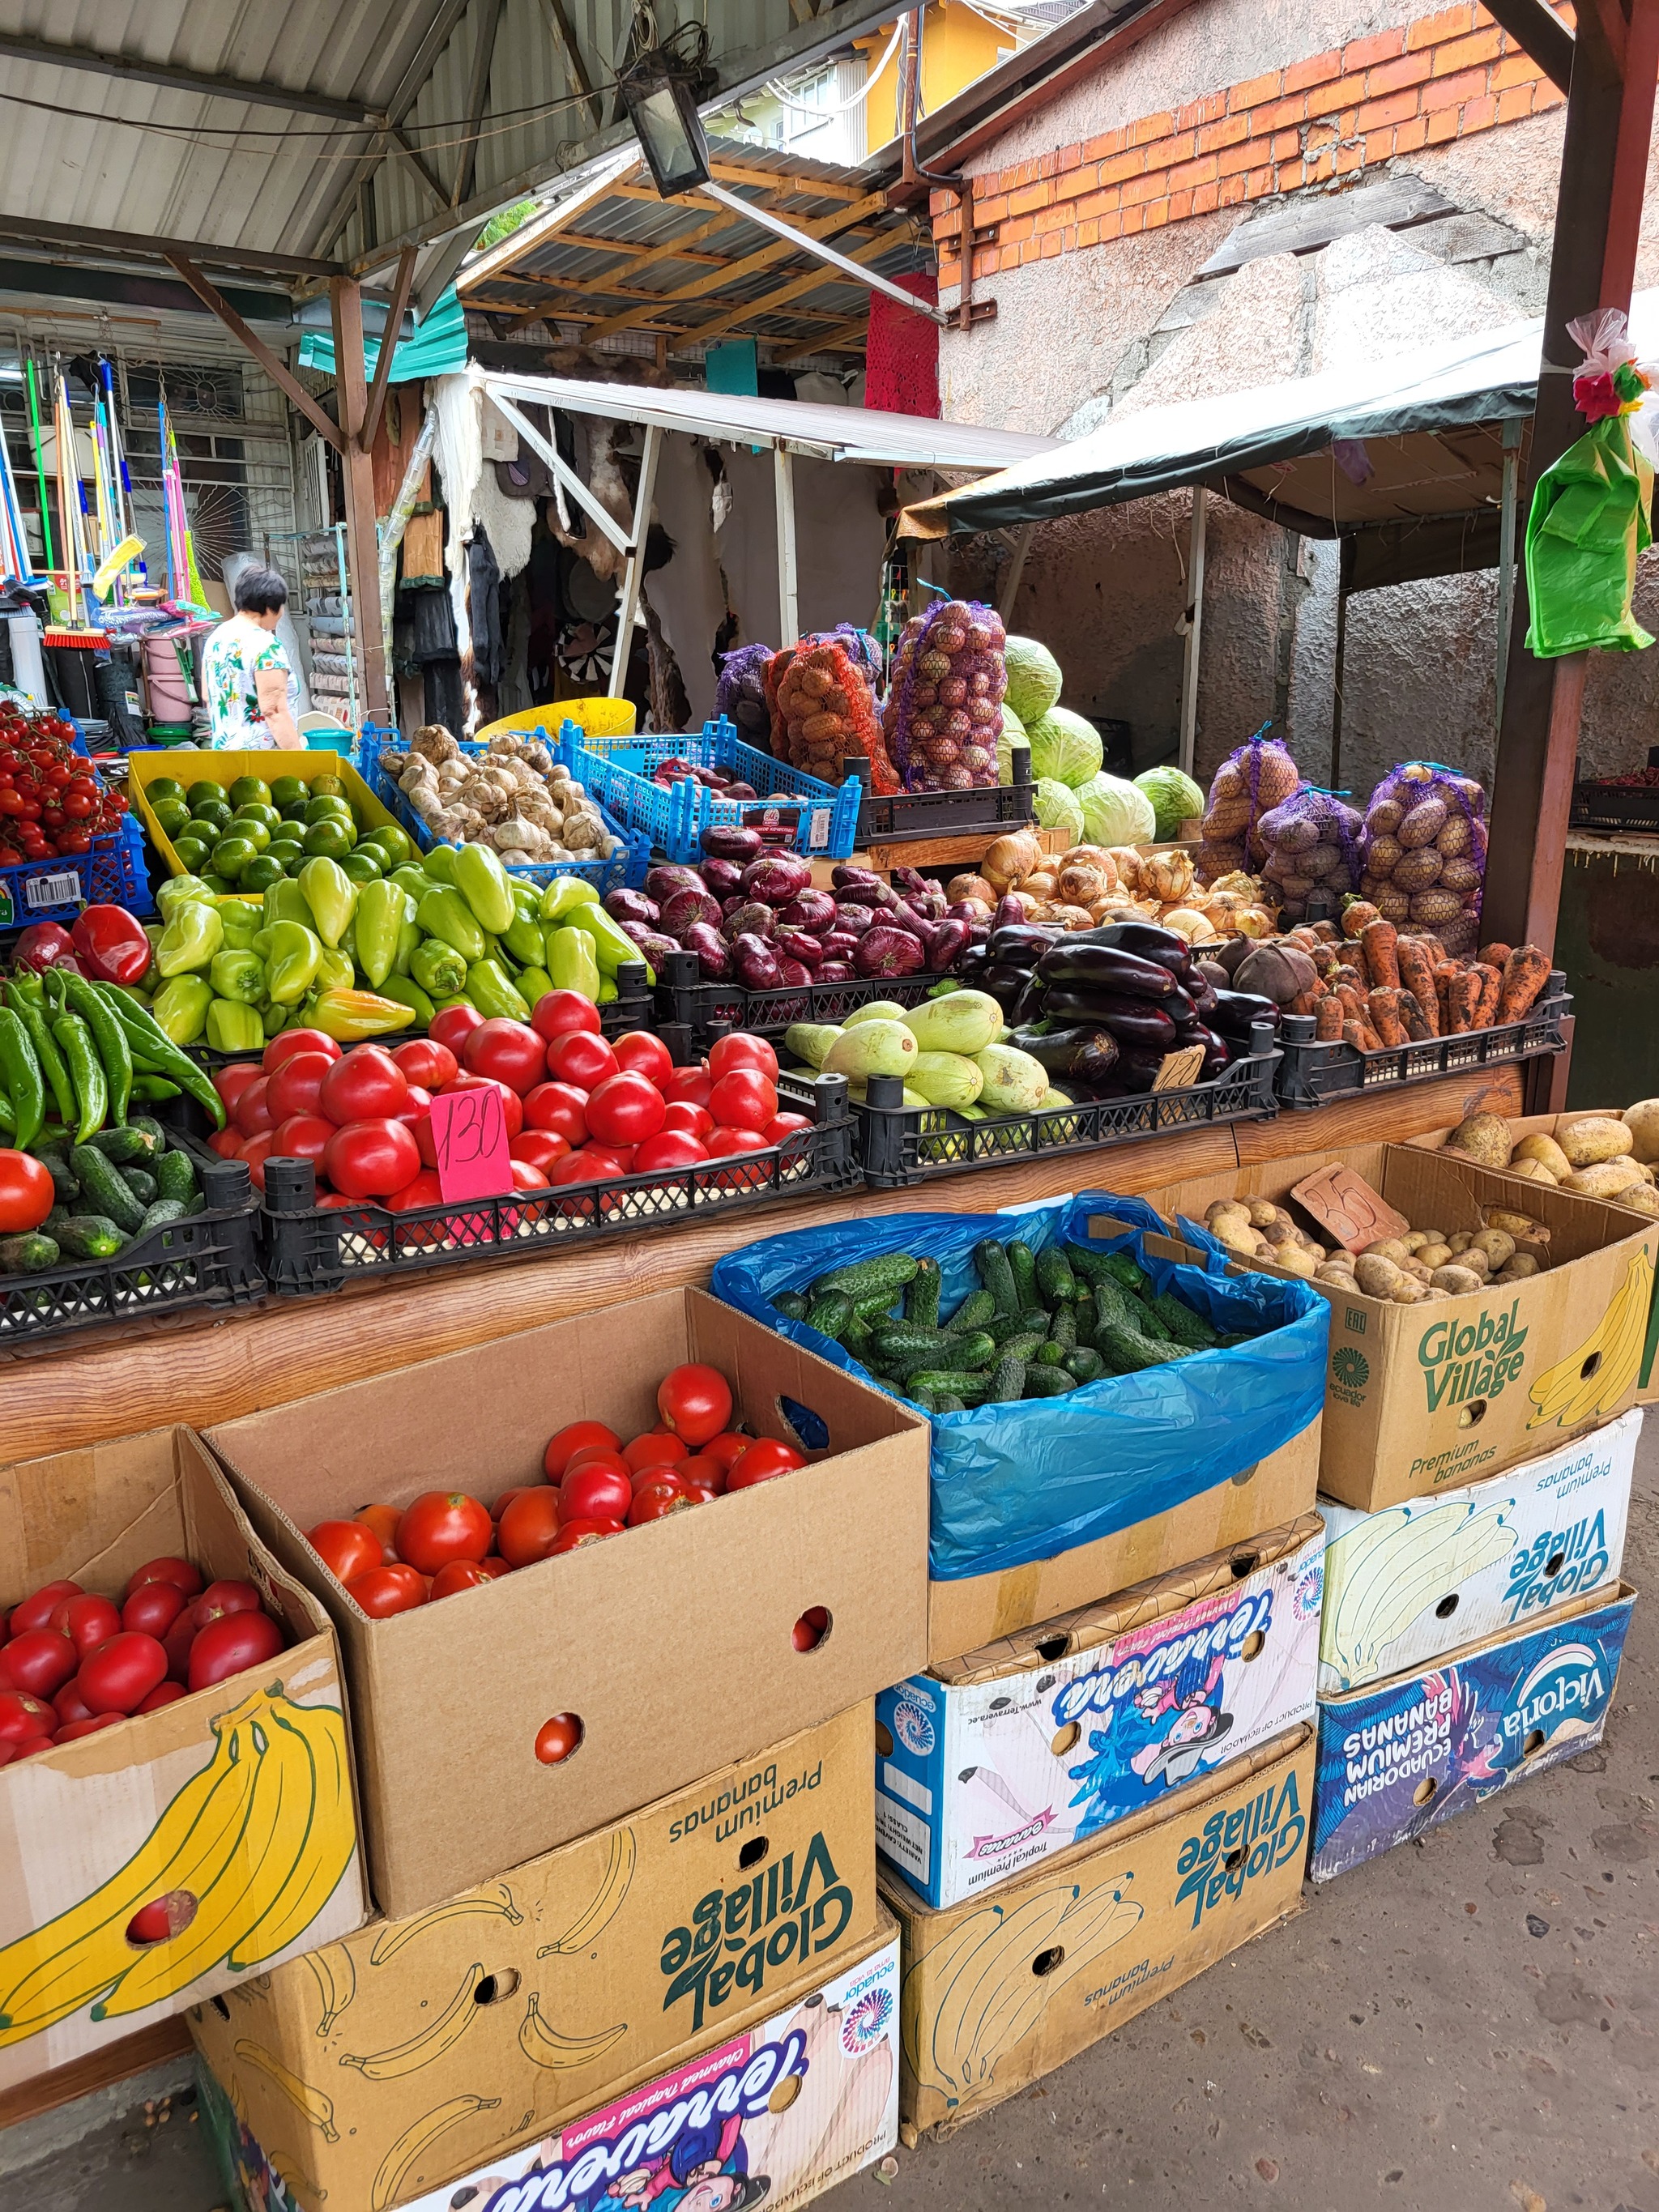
(1613, 806)
(1312, 1073)
(707, 1009)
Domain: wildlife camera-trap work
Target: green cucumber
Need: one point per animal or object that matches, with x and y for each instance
(1026, 1346)
(1113, 1308)
(1033, 1320)
(1024, 1268)
(65, 1188)
(1050, 1354)
(997, 1275)
(1133, 1277)
(175, 1177)
(152, 1129)
(948, 1402)
(939, 1381)
(161, 1215)
(898, 1340)
(130, 1146)
(141, 1183)
(829, 1313)
(29, 1254)
(1056, 1280)
(1007, 1380)
(874, 1306)
(1232, 1336)
(1127, 1351)
(856, 1339)
(791, 1305)
(1180, 1322)
(1149, 1323)
(977, 1310)
(1064, 1332)
(1083, 1365)
(1046, 1383)
(90, 1237)
(887, 1271)
(103, 1187)
(921, 1295)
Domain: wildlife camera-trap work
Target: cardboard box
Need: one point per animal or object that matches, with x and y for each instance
(1015, 1752)
(92, 1830)
(1410, 1583)
(1397, 1758)
(776, 2114)
(965, 1615)
(673, 1644)
(568, 1980)
(999, 1991)
(1424, 1398)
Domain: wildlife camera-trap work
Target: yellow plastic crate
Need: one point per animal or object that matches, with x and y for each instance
(144, 769)
(599, 717)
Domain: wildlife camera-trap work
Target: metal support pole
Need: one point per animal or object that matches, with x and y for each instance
(357, 473)
(1337, 659)
(1194, 632)
(1010, 590)
(627, 599)
(783, 484)
(1512, 429)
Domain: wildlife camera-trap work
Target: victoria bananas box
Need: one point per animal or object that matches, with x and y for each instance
(1016, 1751)
(1411, 1583)
(234, 1803)
(673, 1646)
(562, 1982)
(999, 1990)
(777, 2110)
(1421, 1398)
(1398, 1757)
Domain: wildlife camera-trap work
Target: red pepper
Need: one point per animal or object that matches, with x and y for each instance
(43, 944)
(111, 944)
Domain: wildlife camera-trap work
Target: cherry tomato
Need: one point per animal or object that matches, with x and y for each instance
(526, 1531)
(540, 1147)
(511, 1052)
(736, 1051)
(439, 1526)
(151, 1610)
(577, 1056)
(383, 1521)
(576, 1435)
(557, 1738)
(654, 1501)
(512, 1104)
(365, 1085)
(36, 1610)
(21, 1176)
(381, 1591)
(745, 1099)
(810, 1630)
(639, 1053)
(690, 1120)
(239, 1640)
(687, 1086)
(371, 1159)
(119, 1675)
(558, 1108)
(300, 1137)
(653, 1451)
(183, 1574)
(425, 1061)
(595, 1491)
(559, 1013)
(86, 1621)
(220, 1599)
(90, 1726)
(287, 1043)
(782, 1126)
(625, 1109)
(450, 1026)
(574, 1533)
(669, 1152)
(704, 1477)
(164, 1694)
(346, 1548)
(459, 1575)
(695, 1403)
(231, 1082)
(296, 1087)
(765, 1458)
(41, 1660)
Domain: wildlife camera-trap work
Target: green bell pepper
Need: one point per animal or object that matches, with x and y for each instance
(180, 1008)
(407, 993)
(438, 968)
(241, 922)
(240, 976)
(440, 864)
(564, 893)
(331, 895)
(444, 913)
(483, 882)
(526, 939)
(292, 954)
(376, 927)
(193, 934)
(488, 987)
(235, 1027)
(412, 878)
(571, 962)
(286, 901)
(532, 983)
(612, 946)
(179, 890)
(335, 970)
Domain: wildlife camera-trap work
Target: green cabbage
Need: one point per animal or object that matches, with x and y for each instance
(1057, 808)
(1065, 746)
(1114, 812)
(1176, 798)
(1012, 728)
(1034, 678)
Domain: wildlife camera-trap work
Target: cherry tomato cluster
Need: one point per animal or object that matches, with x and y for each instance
(74, 1662)
(51, 802)
(597, 1486)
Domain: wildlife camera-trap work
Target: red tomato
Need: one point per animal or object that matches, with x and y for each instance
(725, 1449)
(613, 1160)
(371, 1159)
(638, 1053)
(541, 1148)
(782, 1126)
(596, 1455)
(583, 1166)
(652, 1450)
(251, 1113)
(506, 1500)
(494, 1566)
(738, 1050)
(745, 1099)
(511, 1052)
(226, 1142)
(810, 1630)
(365, 1085)
(176, 1644)
(119, 1675)
(287, 1043)
(21, 1193)
(425, 1061)
(345, 1548)
(224, 1647)
(557, 1738)
(383, 1520)
(687, 1086)
(654, 1501)
(596, 1491)
(164, 1693)
(450, 1026)
(577, 1056)
(512, 1104)
(695, 1401)
(727, 1143)
(560, 1109)
(152, 1609)
(576, 1435)
(296, 1087)
(459, 1575)
(183, 1574)
(526, 1531)
(439, 1526)
(558, 1013)
(41, 1660)
(86, 1621)
(625, 1109)
(381, 1591)
(416, 1108)
(423, 1189)
(254, 1151)
(36, 1610)
(574, 1533)
(765, 1458)
(705, 1478)
(691, 1120)
(70, 1705)
(527, 1176)
(669, 1150)
(219, 1599)
(231, 1082)
(300, 1137)
(90, 1726)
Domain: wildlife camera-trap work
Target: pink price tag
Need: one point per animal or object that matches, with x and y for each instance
(469, 1135)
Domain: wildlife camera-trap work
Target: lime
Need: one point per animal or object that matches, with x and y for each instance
(287, 839)
(331, 837)
(218, 884)
(249, 788)
(171, 816)
(328, 803)
(363, 864)
(292, 860)
(232, 855)
(212, 810)
(393, 841)
(204, 789)
(192, 854)
(285, 790)
(199, 825)
(256, 832)
(252, 812)
(327, 787)
(261, 872)
(163, 786)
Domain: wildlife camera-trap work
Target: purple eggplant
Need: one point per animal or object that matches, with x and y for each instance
(948, 944)
(1144, 939)
(1217, 1053)
(751, 919)
(835, 972)
(812, 909)
(1136, 1067)
(1022, 944)
(664, 880)
(1091, 967)
(800, 945)
(777, 878)
(687, 906)
(1132, 1021)
(632, 906)
(713, 956)
(724, 842)
(1082, 1054)
(886, 950)
(1201, 991)
(755, 964)
(723, 877)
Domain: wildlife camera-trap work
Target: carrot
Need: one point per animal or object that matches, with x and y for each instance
(1416, 1020)
(1362, 1037)
(1486, 1004)
(1356, 915)
(1494, 955)
(1344, 974)
(1463, 1003)
(1306, 1002)
(1417, 976)
(1526, 971)
(1380, 940)
(1351, 1001)
(1446, 973)
(1383, 1007)
(1328, 1018)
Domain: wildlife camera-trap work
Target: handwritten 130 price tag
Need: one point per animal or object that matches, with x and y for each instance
(1346, 1205)
(469, 1135)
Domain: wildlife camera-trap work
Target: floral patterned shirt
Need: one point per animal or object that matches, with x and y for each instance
(232, 660)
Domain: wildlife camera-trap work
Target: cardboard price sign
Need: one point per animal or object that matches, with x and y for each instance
(1345, 1204)
(1177, 1069)
(469, 1135)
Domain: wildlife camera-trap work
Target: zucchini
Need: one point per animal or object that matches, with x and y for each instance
(128, 1147)
(1046, 1383)
(159, 1215)
(887, 1271)
(997, 1275)
(791, 1305)
(103, 1187)
(141, 1183)
(1083, 1365)
(1007, 1380)
(921, 1295)
(1056, 1280)
(1182, 1322)
(1024, 1268)
(977, 1310)
(829, 1313)
(90, 1237)
(942, 1381)
(29, 1254)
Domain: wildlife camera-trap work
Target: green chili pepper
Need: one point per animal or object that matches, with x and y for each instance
(85, 1072)
(153, 1088)
(20, 1068)
(109, 1038)
(45, 1051)
(161, 1056)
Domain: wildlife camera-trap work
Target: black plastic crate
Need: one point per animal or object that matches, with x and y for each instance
(901, 1146)
(207, 1259)
(309, 1247)
(908, 816)
(1615, 807)
(1312, 1074)
(706, 1009)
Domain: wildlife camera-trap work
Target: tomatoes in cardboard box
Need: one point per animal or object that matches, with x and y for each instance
(695, 1401)
(119, 1675)
(575, 1437)
(346, 1548)
(382, 1591)
(765, 1459)
(599, 1490)
(40, 1661)
(439, 1526)
(232, 1642)
(526, 1531)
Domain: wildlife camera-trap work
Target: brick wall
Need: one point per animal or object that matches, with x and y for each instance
(1444, 76)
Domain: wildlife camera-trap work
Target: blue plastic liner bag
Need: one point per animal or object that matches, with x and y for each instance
(1012, 1484)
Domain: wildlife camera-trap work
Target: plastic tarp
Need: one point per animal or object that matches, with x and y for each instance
(1015, 1483)
(437, 348)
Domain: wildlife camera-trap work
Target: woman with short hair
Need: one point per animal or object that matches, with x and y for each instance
(251, 691)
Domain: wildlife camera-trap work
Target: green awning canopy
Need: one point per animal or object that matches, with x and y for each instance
(437, 348)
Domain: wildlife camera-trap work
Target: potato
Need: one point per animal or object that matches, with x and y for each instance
(1518, 1224)
(1408, 1292)
(1415, 1239)
(1388, 1247)
(1376, 1275)
(1596, 1139)
(1642, 1120)
(1518, 1269)
(1280, 1233)
(1434, 1255)
(1528, 1247)
(1339, 1278)
(1498, 1245)
(1535, 1171)
(1483, 1138)
(1295, 1261)
(1433, 1236)
(1607, 1178)
(1641, 1198)
(1472, 1256)
(1237, 1235)
(1460, 1240)
(1220, 1206)
(1263, 1212)
(1547, 1154)
(1457, 1282)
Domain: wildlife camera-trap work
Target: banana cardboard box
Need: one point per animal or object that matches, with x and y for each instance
(999, 1990)
(1421, 1398)
(1017, 1752)
(1410, 1583)
(775, 2112)
(1398, 1757)
(234, 1803)
(541, 1994)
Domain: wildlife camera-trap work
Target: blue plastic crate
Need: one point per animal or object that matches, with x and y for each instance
(625, 870)
(618, 771)
(112, 873)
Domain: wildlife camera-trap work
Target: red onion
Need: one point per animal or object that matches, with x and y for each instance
(713, 957)
(812, 909)
(755, 964)
(751, 919)
(886, 950)
(799, 944)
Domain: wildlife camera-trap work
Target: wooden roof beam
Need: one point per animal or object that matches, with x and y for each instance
(814, 281)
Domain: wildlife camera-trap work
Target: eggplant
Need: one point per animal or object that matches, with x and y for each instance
(1132, 1021)
(1081, 1054)
(950, 942)
(1200, 989)
(723, 877)
(1137, 1068)
(1234, 1011)
(1021, 942)
(777, 878)
(887, 950)
(714, 955)
(1105, 968)
(724, 842)
(1217, 1054)
(1145, 939)
(1031, 1006)
(814, 910)
(1179, 1007)
(798, 945)
(663, 881)
(972, 964)
(632, 906)
(755, 964)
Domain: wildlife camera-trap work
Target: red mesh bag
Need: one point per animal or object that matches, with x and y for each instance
(943, 713)
(823, 710)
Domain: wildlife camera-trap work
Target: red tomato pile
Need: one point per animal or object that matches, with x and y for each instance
(73, 1662)
(596, 1485)
(577, 1109)
(50, 801)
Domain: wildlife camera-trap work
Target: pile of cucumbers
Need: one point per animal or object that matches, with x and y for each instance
(112, 1191)
(1040, 1324)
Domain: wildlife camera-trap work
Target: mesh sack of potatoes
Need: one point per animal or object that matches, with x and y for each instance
(824, 712)
(1423, 853)
(740, 694)
(1254, 779)
(943, 710)
(1313, 843)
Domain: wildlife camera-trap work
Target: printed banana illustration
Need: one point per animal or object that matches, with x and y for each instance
(335, 1973)
(294, 2179)
(1564, 1394)
(491, 1896)
(618, 1872)
(236, 1837)
(418, 2139)
(1400, 1560)
(313, 2105)
(545, 2046)
(441, 2035)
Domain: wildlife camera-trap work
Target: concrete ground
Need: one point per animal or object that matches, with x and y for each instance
(1470, 2024)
